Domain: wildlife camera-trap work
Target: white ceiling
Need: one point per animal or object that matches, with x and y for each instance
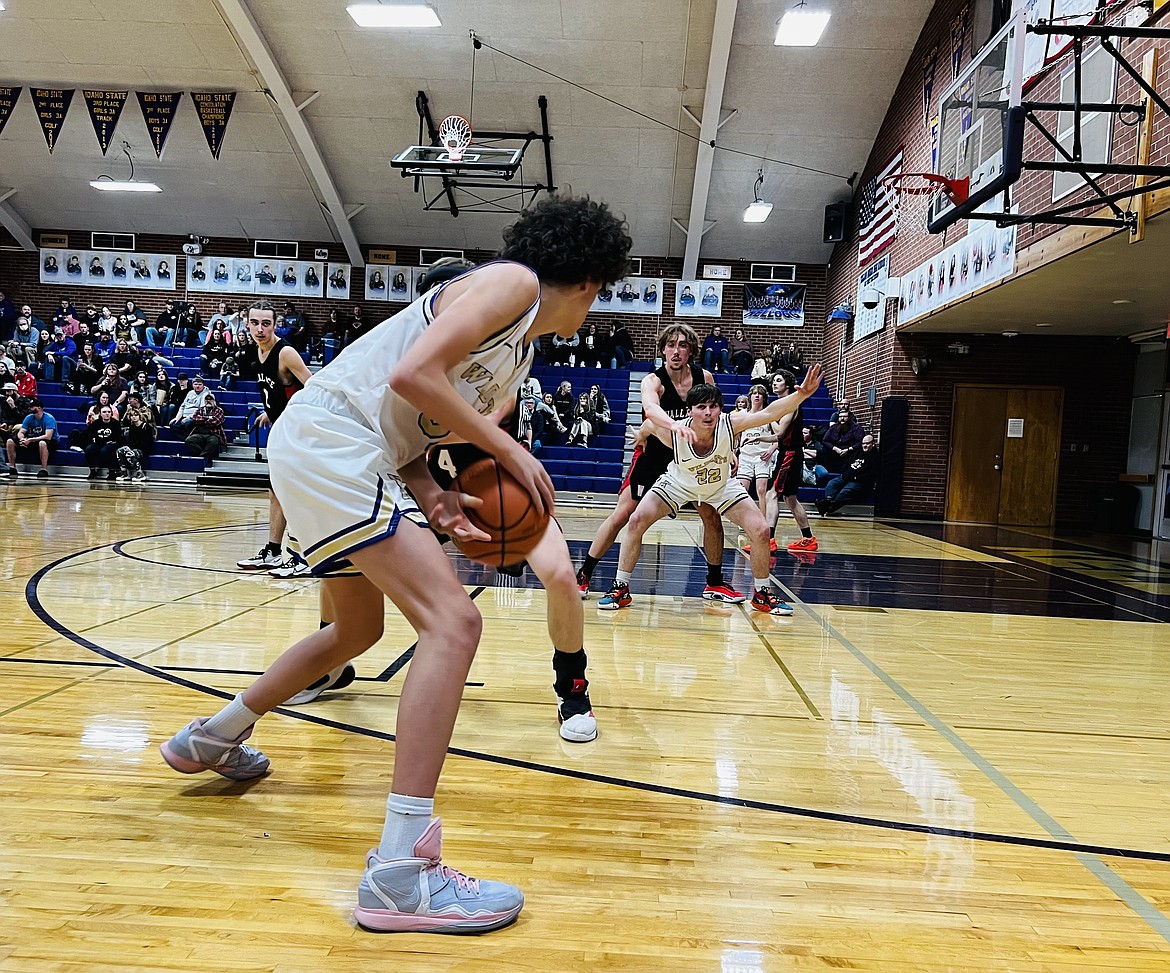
(818, 107)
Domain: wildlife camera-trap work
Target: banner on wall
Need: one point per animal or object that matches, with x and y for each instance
(632, 295)
(214, 109)
(390, 282)
(105, 108)
(8, 99)
(987, 254)
(158, 112)
(337, 281)
(247, 275)
(781, 304)
(52, 106)
(698, 299)
(108, 268)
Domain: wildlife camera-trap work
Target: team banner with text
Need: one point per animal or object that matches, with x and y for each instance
(52, 105)
(8, 99)
(105, 108)
(781, 304)
(214, 109)
(158, 111)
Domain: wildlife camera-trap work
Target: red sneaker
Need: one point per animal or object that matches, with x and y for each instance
(723, 592)
(803, 544)
(583, 584)
(747, 548)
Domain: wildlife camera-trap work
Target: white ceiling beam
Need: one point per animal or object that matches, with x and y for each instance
(14, 223)
(708, 130)
(244, 25)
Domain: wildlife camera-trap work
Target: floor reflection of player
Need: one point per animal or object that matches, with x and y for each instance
(347, 460)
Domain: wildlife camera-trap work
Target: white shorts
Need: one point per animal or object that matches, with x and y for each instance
(676, 495)
(755, 468)
(336, 483)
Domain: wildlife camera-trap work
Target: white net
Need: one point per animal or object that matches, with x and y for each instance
(455, 134)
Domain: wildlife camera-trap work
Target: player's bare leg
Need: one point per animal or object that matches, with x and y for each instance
(551, 563)
(747, 516)
(604, 538)
(649, 511)
(717, 587)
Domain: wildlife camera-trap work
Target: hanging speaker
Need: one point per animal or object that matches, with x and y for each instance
(835, 214)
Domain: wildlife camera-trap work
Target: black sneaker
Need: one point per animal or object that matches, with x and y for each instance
(335, 679)
(43, 475)
(575, 713)
(94, 474)
(12, 471)
(112, 475)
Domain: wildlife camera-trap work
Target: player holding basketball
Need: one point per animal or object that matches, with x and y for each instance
(700, 472)
(664, 393)
(347, 461)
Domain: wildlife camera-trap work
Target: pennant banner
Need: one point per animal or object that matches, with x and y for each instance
(959, 39)
(8, 99)
(52, 105)
(214, 109)
(158, 111)
(929, 68)
(105, 107)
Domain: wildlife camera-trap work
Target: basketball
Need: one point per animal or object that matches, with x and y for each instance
(508, 514)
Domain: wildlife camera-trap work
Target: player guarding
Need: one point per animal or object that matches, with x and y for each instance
(700, 472)
(347, 461)
(787, 479)
(664, 393)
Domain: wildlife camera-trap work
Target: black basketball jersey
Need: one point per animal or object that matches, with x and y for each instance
(674, 406)
(273, 391)
(794, 437)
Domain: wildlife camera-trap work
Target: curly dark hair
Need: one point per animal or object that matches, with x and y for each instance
(570, 239)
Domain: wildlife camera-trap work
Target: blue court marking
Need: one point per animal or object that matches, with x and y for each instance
(1076, 848)
(1158, 921)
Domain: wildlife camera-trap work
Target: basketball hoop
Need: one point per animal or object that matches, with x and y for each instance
(455, 134)
(916, 191)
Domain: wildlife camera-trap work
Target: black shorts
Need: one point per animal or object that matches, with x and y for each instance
(788, 475)
(645, 469)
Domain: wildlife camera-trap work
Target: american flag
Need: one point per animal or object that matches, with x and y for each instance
(877, 219)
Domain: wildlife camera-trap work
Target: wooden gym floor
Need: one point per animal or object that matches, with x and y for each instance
(953, 757)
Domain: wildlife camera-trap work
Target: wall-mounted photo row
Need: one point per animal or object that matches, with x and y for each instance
(781, 304)
(698, 299)
(108, 268)
(390, 282)
(251, 275)
(633, 295)
(985, 255)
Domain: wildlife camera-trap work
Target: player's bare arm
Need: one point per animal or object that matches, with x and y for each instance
(784, 406)
(445, 509)
(291, 365)
(469, 312)
(652, 407)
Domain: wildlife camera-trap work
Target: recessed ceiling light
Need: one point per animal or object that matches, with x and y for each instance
(1122, 301)
(1044, 324)
(124, 186)
(757, 212)
(801, 27)
(393, 15)
(1011, 334)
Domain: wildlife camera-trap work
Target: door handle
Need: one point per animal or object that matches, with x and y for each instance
(998, 465)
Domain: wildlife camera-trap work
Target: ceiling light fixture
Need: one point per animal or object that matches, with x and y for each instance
(1044, 324)
(394, 15)
(757, 210)
(801, 27)
(1122, 301)
(108, 184)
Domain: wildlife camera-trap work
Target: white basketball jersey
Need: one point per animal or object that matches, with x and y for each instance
(750, 446)
(490, 376)
(705, 476)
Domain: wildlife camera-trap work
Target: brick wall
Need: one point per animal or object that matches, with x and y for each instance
(1096, 373)
(20, 278)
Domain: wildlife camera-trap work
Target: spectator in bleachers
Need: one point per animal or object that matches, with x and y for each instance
(589, 351)
(136, 402)
(247, 356)
(563, 351)
(25, 334)
(159, 397)
(841, 443)
(546, 406)
(7, 367)
(601, 409)
(207, 437)
(740, 353)
(227, 317)
(7, 316)
(88, 371)
(107, 319)
(26, 383)
(139, 434)
(165, 326)
(126, 359)
(102, 401)
(531, 387)
(27, 312)
(36, 439)
(193, 400)
(105, 345)
(137, 322)
(123, 330)
(792, 359)
(621, 347)
(563, 400)
(854, 481)
(189, 326)
(113, 383)
(60, 358)
(65, 318)
(584, 421)
(715, 354)
(332, 338)
(140, 385)
(216, 350)
(82, 334)
(229, 374)
(13, 409)
(357, 325)
(294, 327)
(90, 317)
(101, 440)
(810, 449)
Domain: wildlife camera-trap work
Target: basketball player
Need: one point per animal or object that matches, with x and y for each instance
(753, 449)
(700, 472)
(664, 393)
(347, 461)
(789, 470)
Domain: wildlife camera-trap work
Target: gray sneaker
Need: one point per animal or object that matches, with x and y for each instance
(422, 894)
(192, 751)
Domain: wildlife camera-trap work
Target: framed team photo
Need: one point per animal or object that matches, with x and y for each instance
(633, 295)
(221, 274)
(401, 284)
(164, 271)
(52, 266)
(781, 304)
(243, 276)
(267, 279)
(311, 275)
(96, 269)
(141, 273)
(337, 281)
(698, 299)
(198, 277)
(377, 288)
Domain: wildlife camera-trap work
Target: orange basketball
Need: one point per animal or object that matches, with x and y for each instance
(508, 514)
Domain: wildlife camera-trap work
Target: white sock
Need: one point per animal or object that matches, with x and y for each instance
(763, 584)
(622, 577)
(232, 720)
(406, 820)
